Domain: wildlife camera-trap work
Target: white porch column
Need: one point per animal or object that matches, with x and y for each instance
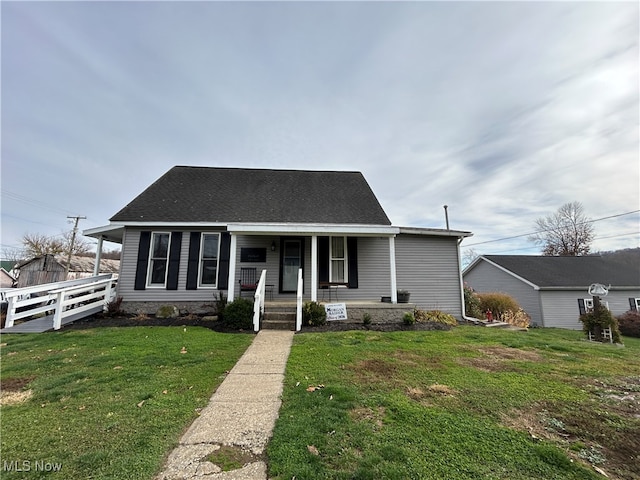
(314, 268)
(232, 269)
(392, 262)
(96, 266)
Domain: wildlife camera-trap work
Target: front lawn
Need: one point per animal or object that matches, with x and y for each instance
(105, 402)
(462, 404)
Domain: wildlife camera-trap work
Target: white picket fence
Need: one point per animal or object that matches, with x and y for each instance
(69, 300)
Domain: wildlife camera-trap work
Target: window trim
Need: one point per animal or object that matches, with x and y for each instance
(344, 259)
(152, 258)
(201, 260)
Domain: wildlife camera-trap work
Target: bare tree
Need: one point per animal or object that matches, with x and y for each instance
(568, 232)
(36, 245)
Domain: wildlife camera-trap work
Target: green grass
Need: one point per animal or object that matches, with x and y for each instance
(107, 402)
(462, 404)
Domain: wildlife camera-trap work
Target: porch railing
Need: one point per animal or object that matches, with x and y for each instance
(258, 303)
(299, 302)
(72, 297)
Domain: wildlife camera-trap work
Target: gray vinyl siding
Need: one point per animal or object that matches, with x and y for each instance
(561, 307)
(428, 268)
(485, 278)
(128, 273)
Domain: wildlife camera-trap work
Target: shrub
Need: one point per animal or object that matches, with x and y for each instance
(220, 301)
(472, 303)
(408, 318)
(629, 324)
(597, 320)
(238, 314)
(435, 316)
(498, 304)
(366, 319)
(519, 318)
(114, 307)
(313, 314)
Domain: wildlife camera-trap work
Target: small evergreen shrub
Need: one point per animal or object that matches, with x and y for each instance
(366, 319)
(408, 318)
(472, 303)
(498, 303)
(597, 320)
(238, 314)
(313, 314)
(629, 324)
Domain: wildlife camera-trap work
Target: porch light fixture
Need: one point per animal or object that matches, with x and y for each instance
(273, 245)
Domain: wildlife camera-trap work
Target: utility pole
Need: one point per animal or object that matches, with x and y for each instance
(73, 241)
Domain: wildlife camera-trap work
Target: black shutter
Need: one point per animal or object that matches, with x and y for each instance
(323, 259)
(352, 255)
(193, 261)
(174, 260)
(632, 304)
(223, 261)
(143, 261)
(581, 306)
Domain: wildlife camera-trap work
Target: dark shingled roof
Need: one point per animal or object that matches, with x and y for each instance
(209, 194)
(570, 271)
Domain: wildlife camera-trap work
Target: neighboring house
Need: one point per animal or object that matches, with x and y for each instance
(190, 235)
(554, 290)
(52, 268)
(6, 279)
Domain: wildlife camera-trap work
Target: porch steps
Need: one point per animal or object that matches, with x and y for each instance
(279, 318)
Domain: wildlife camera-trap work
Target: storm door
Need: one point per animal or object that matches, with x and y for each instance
(291, 261)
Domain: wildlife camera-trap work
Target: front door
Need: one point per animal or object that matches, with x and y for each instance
(291, 259)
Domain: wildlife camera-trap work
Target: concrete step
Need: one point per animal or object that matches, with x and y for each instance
(281, 318)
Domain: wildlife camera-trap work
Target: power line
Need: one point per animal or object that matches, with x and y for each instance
(542, 231)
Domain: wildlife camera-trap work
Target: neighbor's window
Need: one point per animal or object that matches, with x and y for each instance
(158, 260)
(209, 259)
(588, 304)
(338, 260)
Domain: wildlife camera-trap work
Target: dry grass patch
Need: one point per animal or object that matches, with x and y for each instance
(366, 414)
(495, 359)
(12, 390)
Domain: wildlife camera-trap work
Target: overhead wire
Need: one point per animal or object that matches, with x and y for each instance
(547, 230)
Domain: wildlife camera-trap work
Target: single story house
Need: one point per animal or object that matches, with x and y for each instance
(197, 231)
(53, 268)
(554, 290)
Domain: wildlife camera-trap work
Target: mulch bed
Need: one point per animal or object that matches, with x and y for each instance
(196, 321)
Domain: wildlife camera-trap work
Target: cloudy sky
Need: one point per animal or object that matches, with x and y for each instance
(503, 111)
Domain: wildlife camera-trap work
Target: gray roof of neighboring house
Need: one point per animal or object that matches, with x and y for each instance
(546, 271)
(225, 195)
(80, 264)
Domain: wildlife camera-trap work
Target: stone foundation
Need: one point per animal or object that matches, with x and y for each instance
(185, 308)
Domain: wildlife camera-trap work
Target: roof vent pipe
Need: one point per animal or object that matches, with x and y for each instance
(446, 215)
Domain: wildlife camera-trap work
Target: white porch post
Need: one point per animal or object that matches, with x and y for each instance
(392, 262)
(96, 266)
(232, 269)
(314, 268)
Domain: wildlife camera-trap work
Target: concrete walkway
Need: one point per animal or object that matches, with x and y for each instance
(241, 413)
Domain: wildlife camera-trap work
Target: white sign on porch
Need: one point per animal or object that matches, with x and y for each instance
(336, 311)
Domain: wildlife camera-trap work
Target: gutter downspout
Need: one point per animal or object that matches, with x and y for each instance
(464, 313)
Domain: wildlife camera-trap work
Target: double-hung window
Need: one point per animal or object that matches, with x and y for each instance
(588, 304)
(338, 260)
(209, 252)
(158, 259)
